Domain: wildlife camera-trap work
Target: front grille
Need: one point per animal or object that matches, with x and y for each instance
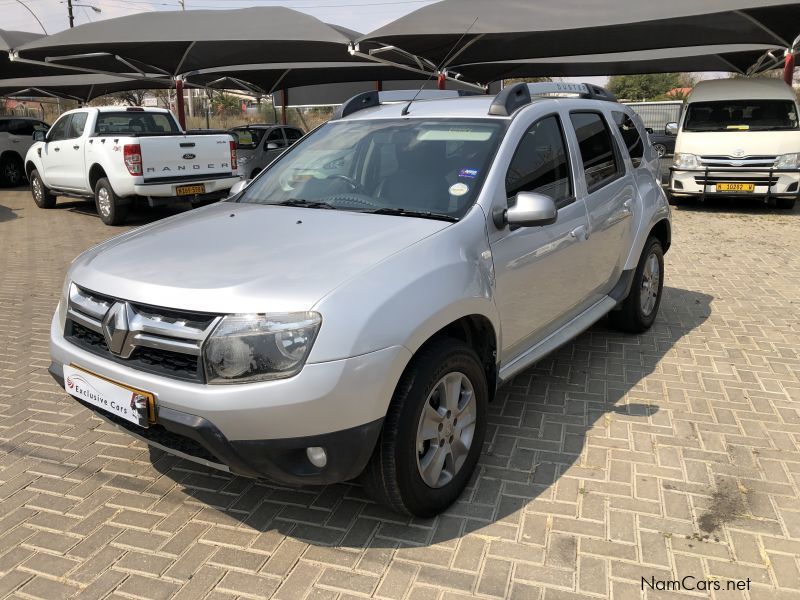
(152, 339)
(756, 161)
(754, 179)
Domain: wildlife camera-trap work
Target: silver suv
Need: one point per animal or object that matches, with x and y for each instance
(353, 309)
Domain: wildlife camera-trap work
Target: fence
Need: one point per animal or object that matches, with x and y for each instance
(658, 114)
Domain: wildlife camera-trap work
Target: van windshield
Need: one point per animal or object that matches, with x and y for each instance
(406, 167)
(741, 115)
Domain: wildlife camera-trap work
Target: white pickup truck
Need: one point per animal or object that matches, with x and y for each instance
(119, 154)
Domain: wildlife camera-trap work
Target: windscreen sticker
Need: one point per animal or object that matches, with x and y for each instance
(459, 189)
(468, 173)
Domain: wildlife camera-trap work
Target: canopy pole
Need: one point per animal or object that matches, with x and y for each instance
(788, 68)
(284, 103)
(179, 103)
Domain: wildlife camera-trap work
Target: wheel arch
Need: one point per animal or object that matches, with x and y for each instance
(30, 166)
(662, 231)
(96, 172)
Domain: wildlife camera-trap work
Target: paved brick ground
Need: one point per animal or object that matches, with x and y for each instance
(666, 455)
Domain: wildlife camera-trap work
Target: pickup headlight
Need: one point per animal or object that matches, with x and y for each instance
(685, 161)
(788, 161)
(247, 348)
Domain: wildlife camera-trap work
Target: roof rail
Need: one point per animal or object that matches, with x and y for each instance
(518, 95)
(373, 98)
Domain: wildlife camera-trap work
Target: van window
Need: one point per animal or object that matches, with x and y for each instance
(630, 135)
(741, 115)
(600, 162)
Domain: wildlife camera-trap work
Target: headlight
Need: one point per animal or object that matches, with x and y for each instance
(788, 161)
(246, 348)
(685, 161)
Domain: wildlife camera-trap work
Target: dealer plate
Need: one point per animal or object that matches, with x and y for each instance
(736, 187)
(190, 190)
(120, 400)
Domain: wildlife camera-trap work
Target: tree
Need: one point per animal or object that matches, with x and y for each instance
(647, 87)
(129, 97)
(508, 82)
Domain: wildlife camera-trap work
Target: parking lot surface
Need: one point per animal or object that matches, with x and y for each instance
(614, 468)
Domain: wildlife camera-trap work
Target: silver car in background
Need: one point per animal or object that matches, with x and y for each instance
(352, 310)
(259, 144)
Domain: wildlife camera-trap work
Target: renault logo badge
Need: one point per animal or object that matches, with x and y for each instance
(115, 327)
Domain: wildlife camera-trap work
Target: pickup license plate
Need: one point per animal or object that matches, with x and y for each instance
(190, 190)
(736, 187)
(114, 398)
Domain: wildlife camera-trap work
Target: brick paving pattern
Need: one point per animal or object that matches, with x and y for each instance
(665, 455)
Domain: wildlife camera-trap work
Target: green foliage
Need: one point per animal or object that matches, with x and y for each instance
(226, 104)
(508, 82)
(647, 87)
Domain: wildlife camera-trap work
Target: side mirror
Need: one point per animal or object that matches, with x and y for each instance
(39, 136)
(238, 187)
(649, 129)
(272, 146)
(671, 129)
(530, 210)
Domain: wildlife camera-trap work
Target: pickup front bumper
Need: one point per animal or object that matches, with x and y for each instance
(767, 182)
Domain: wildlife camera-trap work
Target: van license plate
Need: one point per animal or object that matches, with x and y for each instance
(114, 398)
(190, 190)
(736, 187)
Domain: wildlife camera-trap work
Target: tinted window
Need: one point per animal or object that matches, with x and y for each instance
(26, 127)
(135, 123)
(247, 138)
(4, 124)
(540, 163)
(276, 137)
(76, 125)
(597, 149)
(292, 135)
(630, 135)
(59, 130)
(739, 115)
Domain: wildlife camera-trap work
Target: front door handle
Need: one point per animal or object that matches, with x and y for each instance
(57, 149)
(76, 147)
(580, 233)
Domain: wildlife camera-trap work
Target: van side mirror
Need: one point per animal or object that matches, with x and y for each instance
(671, 129)
(272, 146)
(238, 187)
(39, 136)
(530, 210)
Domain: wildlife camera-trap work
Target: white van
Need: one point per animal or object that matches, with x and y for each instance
(738, 137)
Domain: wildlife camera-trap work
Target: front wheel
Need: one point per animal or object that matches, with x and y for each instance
(640, 307)
(109, 206)
(42, 195)
(661, 150)
(11, 170)
(433, 431)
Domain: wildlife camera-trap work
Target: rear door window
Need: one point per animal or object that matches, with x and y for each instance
(276, 137)
(630, 135)
(600, 163)
(76, 125)
(541, 163)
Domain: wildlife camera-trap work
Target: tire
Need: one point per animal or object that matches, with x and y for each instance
(640, 307)
(109, 206)
(393, 476)
(42, 195)
(661, 150)
(785, 203)
(12, 171)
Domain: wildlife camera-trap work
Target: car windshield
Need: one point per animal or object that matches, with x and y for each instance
(135, 123)
(409, 167)
(741, 115)
(246, 138)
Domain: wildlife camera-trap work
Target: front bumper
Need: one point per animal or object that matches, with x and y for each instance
(702, 181)
(262, 429)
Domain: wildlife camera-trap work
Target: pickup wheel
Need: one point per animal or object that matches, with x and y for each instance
(11, 170)
(109, 205)
(433, 432)
(661, 150)
(639, 309)
(42, 195)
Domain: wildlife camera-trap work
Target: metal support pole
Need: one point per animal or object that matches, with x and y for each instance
(69, 12)
(788, 67)
(179, 103)
(284, 103)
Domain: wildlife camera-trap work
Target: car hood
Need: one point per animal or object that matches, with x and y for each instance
(727, 143)
(241, 258)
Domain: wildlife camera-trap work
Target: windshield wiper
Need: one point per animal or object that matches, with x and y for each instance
(423, 214)
(305, 203)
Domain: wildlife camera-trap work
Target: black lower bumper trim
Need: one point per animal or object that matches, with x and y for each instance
(279, 460)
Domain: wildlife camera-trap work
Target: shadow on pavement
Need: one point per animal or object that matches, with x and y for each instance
(538, 426)
(7, 214)
(140, 214)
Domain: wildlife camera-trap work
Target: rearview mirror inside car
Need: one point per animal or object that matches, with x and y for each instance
(529, 210)
(671, 129)
(38, 136)
(238, 187)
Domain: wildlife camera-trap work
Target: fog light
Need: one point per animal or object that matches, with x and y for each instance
(317, 456)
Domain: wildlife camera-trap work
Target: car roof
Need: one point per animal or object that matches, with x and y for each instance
(741, 89)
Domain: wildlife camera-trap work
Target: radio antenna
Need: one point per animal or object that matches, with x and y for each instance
(404, 112)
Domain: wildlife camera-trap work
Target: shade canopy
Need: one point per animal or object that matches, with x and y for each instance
(735, 58)
(9, 40)
(470, 31)
(181, 41)
(269, 77)
(82, 87)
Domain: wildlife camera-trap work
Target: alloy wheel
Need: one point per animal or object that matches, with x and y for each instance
(651, 278)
